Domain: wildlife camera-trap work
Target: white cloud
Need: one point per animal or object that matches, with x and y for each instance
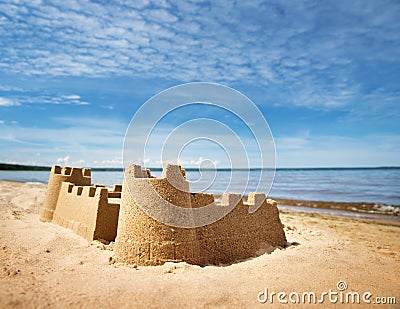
(290, 143)
(8, 102)
(109, 162)
(64, 160)
(284, 43)
(317, 56)
(161, 16)
(77, 162)
(35, 98)
(339, 151)
(10, 88)
(98, 142)
(15, 96)
(71, 97)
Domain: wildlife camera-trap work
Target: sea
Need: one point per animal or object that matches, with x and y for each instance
(371, 185)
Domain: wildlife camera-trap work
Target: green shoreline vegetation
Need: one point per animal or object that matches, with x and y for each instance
(19, 167)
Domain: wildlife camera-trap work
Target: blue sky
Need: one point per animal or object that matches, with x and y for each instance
(325, 74)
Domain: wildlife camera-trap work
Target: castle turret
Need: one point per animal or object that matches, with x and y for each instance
(143, 240)
(77, 176)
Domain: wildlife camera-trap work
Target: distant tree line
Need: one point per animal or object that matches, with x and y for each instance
(18, 167)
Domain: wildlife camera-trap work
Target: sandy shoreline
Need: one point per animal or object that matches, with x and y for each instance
(350, 207)
(46, 265)
(361, 207)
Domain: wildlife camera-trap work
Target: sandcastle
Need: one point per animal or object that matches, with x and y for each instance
(73, 202)
(95, 212)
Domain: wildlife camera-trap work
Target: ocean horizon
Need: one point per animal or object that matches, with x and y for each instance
(379, 185)
(21, 167)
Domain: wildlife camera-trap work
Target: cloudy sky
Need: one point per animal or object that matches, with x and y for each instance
(325, 74)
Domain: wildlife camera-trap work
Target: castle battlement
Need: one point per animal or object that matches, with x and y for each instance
(230, 199)
(72, 201)
(247, 230)
(58, 175)
(136, 171)
(71, 171)
(88, 191)
(95, 211)
(115, 192)
(87, 211)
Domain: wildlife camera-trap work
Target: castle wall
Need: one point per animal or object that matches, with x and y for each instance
(86, 211)
(93, 212)
(240, 234)
(237, 236)
(58, 175)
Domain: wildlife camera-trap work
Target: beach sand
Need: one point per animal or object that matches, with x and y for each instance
(43, 264)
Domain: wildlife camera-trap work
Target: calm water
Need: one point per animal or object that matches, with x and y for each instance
(351, 185)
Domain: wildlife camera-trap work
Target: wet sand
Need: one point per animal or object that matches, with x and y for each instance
(45, 265)
(362, 207)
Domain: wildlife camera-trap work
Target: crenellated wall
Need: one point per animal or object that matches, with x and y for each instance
(86, 211)
(91, 211)
(241, 234)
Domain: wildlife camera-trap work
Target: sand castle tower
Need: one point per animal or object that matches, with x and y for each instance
(58, 175)
(248, 230)
(140, 238)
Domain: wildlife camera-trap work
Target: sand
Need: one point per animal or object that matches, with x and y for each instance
(45, 265)
(356, 207)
